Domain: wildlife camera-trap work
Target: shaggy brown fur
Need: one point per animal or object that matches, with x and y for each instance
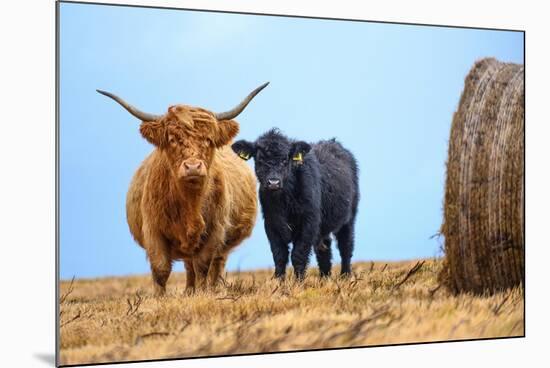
(192, 198)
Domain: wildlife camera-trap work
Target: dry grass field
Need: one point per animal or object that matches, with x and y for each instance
(118, 319)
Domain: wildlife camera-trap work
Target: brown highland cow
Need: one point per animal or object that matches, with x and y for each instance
(192, 198)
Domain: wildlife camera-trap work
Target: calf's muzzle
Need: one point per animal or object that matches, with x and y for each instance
(273, 184)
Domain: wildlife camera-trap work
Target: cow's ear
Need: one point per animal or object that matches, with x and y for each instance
(298, 150)
(155, 132)
(244, 149)
(227, 130)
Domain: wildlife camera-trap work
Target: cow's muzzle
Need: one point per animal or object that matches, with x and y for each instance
(192, 170)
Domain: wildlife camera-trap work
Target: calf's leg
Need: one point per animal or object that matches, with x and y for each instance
(300, 258)
(280, 253)
(278, 241)
(345, 237)
(324, 255)
(308, 236)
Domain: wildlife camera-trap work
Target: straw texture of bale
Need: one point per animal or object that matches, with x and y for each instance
(484, 191)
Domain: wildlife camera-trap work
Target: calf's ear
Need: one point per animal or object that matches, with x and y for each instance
(298, 150)
(227, 130)
(244, 149)
(154, 132)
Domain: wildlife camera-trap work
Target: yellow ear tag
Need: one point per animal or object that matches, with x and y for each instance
(244, 155)
(298, 157)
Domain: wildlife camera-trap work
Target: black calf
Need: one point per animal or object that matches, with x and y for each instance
(307, 192)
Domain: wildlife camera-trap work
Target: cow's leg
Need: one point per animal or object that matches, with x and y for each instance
(323, 253)
(209, 262)
(345, 237)
(158, 253)
(190, 275)
(201, 271)
(234, 237)
(217, 265)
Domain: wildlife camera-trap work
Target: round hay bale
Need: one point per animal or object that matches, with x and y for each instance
(483, 221)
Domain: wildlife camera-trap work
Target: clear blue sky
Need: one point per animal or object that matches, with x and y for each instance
(387, 92)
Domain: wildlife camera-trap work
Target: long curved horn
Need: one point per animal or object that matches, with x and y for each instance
(143, 116)
(231, 114)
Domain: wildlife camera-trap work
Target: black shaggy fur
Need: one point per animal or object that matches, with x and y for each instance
(307, 192)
